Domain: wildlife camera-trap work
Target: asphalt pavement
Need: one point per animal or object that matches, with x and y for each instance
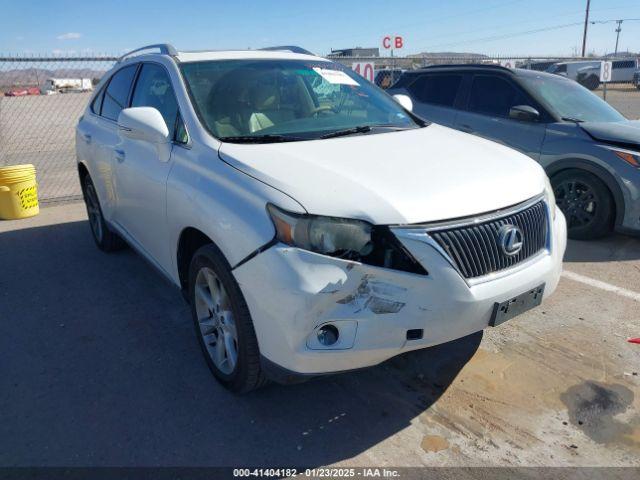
(99, 366)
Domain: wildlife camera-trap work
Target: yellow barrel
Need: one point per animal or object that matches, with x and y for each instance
(18, 192)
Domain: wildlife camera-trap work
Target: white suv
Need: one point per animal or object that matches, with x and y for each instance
(313, 223)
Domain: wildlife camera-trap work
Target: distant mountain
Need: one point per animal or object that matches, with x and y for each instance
(37, 76)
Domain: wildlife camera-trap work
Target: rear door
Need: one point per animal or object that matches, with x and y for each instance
(98, 136)
(490, 98)
(142, 168)
(434, 96)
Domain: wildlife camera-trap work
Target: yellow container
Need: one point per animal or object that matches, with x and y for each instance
(18, 192)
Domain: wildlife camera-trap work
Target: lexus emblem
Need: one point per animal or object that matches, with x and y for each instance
(510, 239)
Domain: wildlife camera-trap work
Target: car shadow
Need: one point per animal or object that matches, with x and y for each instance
(100, 366)
(615, 247)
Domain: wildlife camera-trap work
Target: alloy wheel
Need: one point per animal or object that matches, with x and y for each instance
(216, 320)
(93, 211)
(577, 201)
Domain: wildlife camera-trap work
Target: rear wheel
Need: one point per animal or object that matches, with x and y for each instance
(105, 239)
(223, 322)
(586, 203)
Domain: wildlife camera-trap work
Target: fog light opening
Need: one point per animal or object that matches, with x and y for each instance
(328, 335)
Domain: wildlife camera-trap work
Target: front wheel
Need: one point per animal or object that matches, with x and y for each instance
(223, 322)
(586, 203)
(591, 82)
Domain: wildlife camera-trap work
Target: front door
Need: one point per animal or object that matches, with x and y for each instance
(487, 115)
(142, 168)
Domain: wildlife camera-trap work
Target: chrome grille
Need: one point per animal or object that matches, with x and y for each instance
(475, 249)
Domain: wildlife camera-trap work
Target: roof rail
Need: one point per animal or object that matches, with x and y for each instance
(165, 49)
(468, 65)
(287, 48)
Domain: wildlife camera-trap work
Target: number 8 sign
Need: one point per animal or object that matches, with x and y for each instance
(605, 71)
(364, 69)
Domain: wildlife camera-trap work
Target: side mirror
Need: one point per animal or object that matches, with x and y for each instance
(404, 100)
(525, 113)
(143, 123)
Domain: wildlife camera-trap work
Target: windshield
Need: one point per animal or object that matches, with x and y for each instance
(569, 100)
(278, 100)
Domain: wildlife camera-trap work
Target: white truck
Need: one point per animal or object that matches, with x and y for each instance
(66, 85)
(587, 73)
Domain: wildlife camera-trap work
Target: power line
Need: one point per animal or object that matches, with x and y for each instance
(509, 35)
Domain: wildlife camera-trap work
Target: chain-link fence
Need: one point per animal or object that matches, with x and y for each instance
(41, 100)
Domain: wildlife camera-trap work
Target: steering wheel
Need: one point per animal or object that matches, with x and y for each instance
(321, 108)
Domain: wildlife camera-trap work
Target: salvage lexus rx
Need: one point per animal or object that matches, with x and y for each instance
(313, 223)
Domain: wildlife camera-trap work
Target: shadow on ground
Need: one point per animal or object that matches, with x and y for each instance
(99, 365)
(612, 248)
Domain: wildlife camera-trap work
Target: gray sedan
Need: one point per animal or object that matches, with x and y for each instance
(589, 150)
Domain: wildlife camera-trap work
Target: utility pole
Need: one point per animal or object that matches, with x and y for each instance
(619, 22)
(586, 25)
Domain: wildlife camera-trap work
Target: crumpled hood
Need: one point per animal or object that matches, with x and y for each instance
(413, 176)
(625, 132)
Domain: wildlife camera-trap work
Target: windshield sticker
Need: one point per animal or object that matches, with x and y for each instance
(336, 76)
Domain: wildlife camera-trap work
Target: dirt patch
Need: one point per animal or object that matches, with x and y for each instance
(434, 443)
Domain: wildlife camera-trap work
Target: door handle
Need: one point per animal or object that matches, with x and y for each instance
(466, 128)
(87, 137)
(119, 155)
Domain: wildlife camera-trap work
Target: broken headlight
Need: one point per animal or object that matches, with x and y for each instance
(326, 235)
(344, 238)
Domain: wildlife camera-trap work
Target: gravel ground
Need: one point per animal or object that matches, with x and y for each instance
(100, 367)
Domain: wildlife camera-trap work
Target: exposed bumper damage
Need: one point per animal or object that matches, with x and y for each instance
(291, 292)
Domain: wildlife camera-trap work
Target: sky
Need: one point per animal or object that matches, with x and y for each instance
(494, 27)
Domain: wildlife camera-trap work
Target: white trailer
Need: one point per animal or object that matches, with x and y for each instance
(65, 85)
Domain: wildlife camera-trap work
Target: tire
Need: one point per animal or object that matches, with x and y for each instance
(106, 240)
(586, 203)
(222, 322)
(592, 82)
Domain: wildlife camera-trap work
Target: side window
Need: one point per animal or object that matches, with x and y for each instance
(623, 64)
(96, 106)
(436, 89)
(117, 92)
(492, 95)
(180, 135)
(561, 68)
(153, 89)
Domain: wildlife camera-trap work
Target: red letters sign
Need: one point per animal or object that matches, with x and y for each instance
(392, 42)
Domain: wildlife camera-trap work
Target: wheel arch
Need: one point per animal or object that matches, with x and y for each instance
(601, 173)
(189, 241)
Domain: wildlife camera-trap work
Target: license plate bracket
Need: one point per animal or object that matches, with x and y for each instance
(515, 306)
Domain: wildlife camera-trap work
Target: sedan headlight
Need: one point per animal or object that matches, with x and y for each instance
(550, 196)
(326, 235)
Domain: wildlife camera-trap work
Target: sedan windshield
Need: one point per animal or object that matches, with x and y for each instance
(251, 101)
(569, 100)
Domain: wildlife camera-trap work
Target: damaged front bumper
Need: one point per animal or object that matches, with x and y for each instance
(292, 292)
